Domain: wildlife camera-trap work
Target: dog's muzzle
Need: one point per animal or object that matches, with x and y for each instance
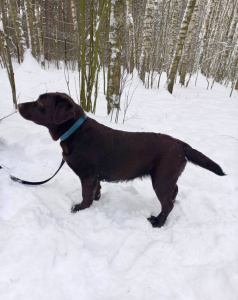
(23, 110)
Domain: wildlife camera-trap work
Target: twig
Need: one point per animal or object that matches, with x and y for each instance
(228, 136)
(127, 103)
(67, 81)
(76, 91)
(9, 115)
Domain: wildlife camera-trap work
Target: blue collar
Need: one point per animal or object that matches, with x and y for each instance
(73, 128)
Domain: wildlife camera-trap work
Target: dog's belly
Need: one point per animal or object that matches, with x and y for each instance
(118, 176)
(126, 169)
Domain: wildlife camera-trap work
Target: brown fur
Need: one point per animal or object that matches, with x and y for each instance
(98, 153)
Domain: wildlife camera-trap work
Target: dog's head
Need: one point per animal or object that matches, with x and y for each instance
(53, 110)
(50, 108)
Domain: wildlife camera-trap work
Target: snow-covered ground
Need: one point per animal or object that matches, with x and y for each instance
(110, 251)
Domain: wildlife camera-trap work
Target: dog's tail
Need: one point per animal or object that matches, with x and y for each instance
(201, 160)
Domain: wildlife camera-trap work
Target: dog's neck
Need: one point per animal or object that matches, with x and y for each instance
(57, 130)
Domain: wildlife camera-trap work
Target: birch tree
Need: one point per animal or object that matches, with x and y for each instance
(93, 67)
(173, 31)
(130, 37)
(114, 66)
(6, 52)
(17, 24)
(178, 51)
(146, 39)
(39, 34)
(83, 49)
(30, 26)
(187, 46)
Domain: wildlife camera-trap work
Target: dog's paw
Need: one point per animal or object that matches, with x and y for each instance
(157, 221)
(97, 197)
(76, 208)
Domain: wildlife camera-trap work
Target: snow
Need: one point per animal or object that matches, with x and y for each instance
(1, 26)
(110, 251)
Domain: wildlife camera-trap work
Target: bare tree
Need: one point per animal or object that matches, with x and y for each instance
(114, 65)
(146, 39)
(178, 51)
(6, 53)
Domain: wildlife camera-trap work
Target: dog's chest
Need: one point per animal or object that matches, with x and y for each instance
(65, 152)
(80, 162)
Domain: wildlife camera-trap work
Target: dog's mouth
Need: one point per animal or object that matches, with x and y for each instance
(23, 110)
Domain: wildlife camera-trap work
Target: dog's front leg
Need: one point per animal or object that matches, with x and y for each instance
(89, 188)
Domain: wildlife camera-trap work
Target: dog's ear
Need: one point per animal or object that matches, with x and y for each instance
(64, 110)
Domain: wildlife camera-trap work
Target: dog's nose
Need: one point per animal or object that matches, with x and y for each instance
(23, 110)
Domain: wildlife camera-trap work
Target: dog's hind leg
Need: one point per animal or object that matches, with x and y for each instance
(175, 193)
(165, 197)
(164, 180)
(89, 188)
(98, 191)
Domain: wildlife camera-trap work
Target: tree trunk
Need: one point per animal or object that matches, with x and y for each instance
(17, 29)
(31, 27)
(83, 60)
(7, 55)
(187, 47)
(130, 38)
(147, 39)
(236, 86)
(207, 28)
(94, 53)
(114, 67)
(173, 32)
(40, 34)
(182, 35)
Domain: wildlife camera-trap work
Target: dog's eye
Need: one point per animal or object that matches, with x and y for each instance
(40, 104)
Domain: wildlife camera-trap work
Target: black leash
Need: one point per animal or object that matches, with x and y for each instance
(37, 182)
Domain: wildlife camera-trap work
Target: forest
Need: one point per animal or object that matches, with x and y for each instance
(121, 38)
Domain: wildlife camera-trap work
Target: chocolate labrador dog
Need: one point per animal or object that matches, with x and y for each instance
(98, 153)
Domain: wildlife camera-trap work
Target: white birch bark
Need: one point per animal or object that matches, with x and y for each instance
(187, 46)
(114, 68)
(146, 39)
(30, 26)
(182, 35)
(39, 33)
(17, 23)
(131, 37)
